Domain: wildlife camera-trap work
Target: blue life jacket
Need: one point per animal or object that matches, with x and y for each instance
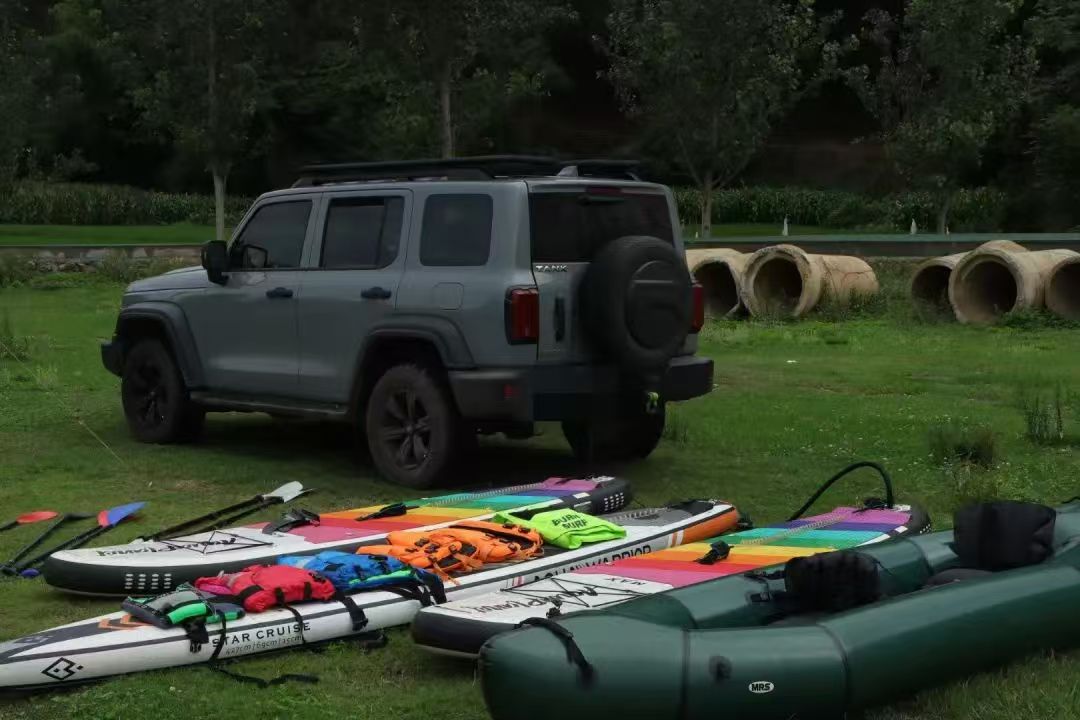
(350, 573)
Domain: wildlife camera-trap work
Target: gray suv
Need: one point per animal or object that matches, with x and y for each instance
(428, 302)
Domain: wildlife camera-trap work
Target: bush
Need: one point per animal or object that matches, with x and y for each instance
(954, 444)
(119, 267)
(980, 209)
(12, 346)
(41, 203)
(1044, 410)
(14, 270)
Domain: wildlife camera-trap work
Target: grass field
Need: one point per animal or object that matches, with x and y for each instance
(180, 234)
(793, 403)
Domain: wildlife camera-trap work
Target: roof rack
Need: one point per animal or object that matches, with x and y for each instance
(487, 167)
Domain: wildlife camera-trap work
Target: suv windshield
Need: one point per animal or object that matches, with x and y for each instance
(574, 226)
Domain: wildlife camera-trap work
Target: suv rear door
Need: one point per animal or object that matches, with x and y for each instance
(356, 268)
(570, 223)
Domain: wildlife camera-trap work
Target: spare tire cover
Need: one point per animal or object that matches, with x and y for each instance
(636, 304)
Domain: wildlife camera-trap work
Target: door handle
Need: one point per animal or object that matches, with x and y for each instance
(560, 319)
(279, 293)
(376, 293)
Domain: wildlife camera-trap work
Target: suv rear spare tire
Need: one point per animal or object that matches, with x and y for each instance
(412, 426)
(637, 304)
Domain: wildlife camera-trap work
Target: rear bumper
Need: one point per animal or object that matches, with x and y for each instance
(112, 356)
(564, 392)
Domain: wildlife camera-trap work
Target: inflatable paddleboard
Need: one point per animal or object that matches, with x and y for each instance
(116, 644)
(151, 568)
(461, 627)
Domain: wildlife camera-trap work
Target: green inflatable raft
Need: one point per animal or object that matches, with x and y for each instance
(758, 645)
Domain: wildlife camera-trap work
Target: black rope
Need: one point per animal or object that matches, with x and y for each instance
(889, 497)
(573, 652)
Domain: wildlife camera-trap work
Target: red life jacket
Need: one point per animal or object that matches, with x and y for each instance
(261, 587)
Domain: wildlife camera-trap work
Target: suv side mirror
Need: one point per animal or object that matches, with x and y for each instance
(215, 260)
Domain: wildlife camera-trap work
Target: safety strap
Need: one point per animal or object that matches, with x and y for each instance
(573, 652)
(356, 613)
(719, 551)
(768, 594)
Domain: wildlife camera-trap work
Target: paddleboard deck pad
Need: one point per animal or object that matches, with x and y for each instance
(151, 568)
(462, 626)
(117, 644)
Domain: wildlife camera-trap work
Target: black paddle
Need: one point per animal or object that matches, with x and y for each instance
(106, 520)
(29, 518)
(11, 567)
(215, 520)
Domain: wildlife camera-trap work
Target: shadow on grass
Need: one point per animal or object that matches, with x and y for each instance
(332, 449)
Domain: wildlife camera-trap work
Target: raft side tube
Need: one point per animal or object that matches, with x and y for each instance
(914, 641)
(532, 670)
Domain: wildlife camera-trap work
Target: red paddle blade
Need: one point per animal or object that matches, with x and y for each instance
(36, 516)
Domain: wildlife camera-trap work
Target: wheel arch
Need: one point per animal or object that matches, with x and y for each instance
(389, 346)
(167, 323)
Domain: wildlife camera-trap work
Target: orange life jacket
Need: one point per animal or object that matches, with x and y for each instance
(463, 547)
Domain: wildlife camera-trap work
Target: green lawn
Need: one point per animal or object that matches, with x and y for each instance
(180, 234)
(794, 403)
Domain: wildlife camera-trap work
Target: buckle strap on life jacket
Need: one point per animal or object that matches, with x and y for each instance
(573, 652)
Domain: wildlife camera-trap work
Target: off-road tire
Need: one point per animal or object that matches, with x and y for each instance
(412, 426)
(156, 403)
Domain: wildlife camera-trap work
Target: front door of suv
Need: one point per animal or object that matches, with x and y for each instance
(357, 262)
(246, 329)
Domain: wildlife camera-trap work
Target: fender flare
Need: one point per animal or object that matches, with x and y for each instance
(440, 333)
(174, 323)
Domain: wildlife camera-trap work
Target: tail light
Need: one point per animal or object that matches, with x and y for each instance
(523, 316)
(698, 319)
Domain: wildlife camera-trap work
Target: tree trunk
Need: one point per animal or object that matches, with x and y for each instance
(220, 179)
(944, 206)
(446, 112)
(706, 206)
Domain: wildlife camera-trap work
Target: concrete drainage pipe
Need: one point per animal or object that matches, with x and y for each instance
(929, 288)
(784, 280)
(720, 274)
(1063, 289)
(994, 280)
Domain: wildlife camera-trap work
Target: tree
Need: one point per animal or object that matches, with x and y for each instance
(1057, 130)
(208, 71)
(16, 90)
(464, 60)
(710, 78)
(949, 78)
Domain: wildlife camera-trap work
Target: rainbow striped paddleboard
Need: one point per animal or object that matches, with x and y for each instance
(150, 568)
(461, 627)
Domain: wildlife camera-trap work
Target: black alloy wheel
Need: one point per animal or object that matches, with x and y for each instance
(412, 426)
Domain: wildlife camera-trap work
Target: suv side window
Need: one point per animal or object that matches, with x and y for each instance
(456, 231)
(278, 229)
(362, 232)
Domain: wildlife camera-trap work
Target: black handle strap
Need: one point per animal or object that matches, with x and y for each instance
(573, 652)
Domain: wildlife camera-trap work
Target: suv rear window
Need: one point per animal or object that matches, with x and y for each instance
(362, 232)
(457, 230)
(573, 227)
